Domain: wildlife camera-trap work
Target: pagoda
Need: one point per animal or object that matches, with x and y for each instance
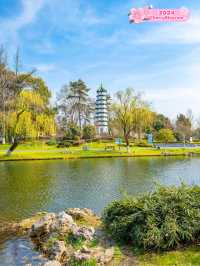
(101, 116)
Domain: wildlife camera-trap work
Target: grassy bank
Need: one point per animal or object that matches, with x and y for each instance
(41, 151)
(185, 257)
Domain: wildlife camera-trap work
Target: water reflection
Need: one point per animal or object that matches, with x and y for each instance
(29, 187)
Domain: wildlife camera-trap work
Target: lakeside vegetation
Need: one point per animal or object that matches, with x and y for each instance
(161, 227)
(155, 229)
(40, 150)
(28, 113)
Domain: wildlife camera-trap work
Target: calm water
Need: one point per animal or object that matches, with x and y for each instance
(29, 187)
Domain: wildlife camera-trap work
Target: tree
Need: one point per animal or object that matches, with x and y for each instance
(38, 85)
(24, 108)
(78, 93)
(183, 126)
(29, 118)
(161, 122)
(165, 135)
(123, 110)
(7, 91)
(143, 118)
(73, 132)
(74, 105)
(89, 132)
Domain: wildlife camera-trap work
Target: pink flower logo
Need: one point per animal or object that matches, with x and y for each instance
(184, 12)
(137, 15)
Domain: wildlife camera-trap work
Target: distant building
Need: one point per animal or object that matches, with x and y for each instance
(101, 116)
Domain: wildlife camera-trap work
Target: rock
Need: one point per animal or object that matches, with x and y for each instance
(63, 223)
(43, 226)
(108, 255)
(63, 217)
(77, 213)
(57, 251)
(52, 263)
(79, 256)
(86, 232)
(85, 250)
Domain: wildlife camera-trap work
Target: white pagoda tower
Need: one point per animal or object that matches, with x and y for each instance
(101, 117)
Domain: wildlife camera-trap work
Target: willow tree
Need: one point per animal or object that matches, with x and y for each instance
(143, 118)
(29, 118)
(123, 108)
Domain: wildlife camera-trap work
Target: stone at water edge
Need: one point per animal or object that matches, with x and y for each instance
(52, 263)
(77, 213)
(63, 223)
(80, 257)
(43, 226)
(86, 232)
(57, 251)
(63, 217)
(101, 255)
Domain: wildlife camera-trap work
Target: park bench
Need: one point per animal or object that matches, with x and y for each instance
(110, 148)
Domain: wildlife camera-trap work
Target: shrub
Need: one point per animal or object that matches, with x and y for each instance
(51, 142)
(89, 132)
(143, 143)
(73, 132)
(165, 135)
(164, 219)
(64, 144)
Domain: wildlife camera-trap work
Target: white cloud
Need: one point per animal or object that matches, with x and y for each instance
(172, 101)
(10, 27)
(173, 33)
(45, 68)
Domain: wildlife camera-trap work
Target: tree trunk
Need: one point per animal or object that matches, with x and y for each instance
(126, 140)
(12, 147)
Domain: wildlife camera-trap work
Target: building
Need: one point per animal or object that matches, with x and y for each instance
(101, 116)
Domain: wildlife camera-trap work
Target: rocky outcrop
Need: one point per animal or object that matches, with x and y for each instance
(70, 235)
(100, 254)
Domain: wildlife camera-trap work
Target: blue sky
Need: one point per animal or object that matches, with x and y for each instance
(93, 40)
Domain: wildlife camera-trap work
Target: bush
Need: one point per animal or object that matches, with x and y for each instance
(165, 135)
(164, 219)
(89, 132)
(64, 144)
(73, 132)
(143, 143)
(51, 142)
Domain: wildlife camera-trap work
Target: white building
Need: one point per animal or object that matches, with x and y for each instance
(101, 116)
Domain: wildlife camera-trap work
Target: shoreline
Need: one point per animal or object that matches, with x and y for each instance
(71, 157)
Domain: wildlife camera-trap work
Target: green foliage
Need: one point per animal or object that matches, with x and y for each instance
(183, 257)
(165, 135)
(89, 132)
(161, 122)
(38, 85)
(164, 219)
(51, 142)
(51, 241)
(142, 143)
(76, 242)
(73, 132)
(64, 144)
(93, 243)
(91, 262)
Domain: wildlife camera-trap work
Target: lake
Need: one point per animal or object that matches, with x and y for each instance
(32, 186)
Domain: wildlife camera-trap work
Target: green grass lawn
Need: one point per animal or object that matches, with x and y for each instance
(186, 257)
(40, 150)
